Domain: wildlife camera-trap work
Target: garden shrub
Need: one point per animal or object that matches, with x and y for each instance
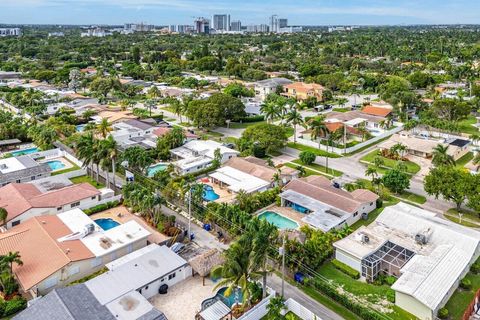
(379, 203)
(252, 119)
(475, 268)
(391, 295)
(443, 313)
(465, 284)
(346, 269)
(307, 157)
(101, 207)
(14, 305)
(390, 280)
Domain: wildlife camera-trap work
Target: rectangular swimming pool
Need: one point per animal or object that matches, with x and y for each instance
(278, 220)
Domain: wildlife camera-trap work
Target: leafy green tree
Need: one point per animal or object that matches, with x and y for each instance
(441, 156)
(3, 215)
(451, 109)
(452, 183)
(396, 180)
(307, 157)
(275, 308)
(43, 136)
(268, 137)
(138, 158)
(238, 90)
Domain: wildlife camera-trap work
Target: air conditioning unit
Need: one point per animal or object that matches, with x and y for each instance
(421, 239)
(365, 238)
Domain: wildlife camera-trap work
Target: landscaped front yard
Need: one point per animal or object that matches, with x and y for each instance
(320, 168)
(318, 152)
(412, 167)
(466, 126)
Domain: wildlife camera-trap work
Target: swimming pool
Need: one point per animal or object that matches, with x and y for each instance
(156, 168)
(80, 127)
(278, 220)
(235, 297)
(106, 224)
(56, 165)
(24, 152)
(209, 194)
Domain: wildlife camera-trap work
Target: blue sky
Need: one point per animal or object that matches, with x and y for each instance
(299, 12)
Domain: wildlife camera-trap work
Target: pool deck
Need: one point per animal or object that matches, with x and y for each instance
(225, 195)
(287, 212)
(122, 215)
(65, 162)
(183, 300)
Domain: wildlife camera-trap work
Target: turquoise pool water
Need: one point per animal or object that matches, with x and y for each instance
(80, 127)
(235, 297)
(56, 165)
(209, 194)
(156, 168)
(24, 152)
(278, 220)
(106, 224)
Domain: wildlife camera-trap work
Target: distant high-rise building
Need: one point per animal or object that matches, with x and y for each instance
(10, 32)
(202, 25)
(236, 25)
(282, 23)
(138, 27)
(274, 23)
(257, 28)
(172, 28)
(221, 22)
(182, 28)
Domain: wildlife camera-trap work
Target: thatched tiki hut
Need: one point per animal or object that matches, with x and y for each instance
(204, 263)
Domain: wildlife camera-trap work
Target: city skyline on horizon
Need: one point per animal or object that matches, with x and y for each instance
(304, 12)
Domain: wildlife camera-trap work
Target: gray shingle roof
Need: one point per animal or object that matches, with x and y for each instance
(70, 303)
(32, 168)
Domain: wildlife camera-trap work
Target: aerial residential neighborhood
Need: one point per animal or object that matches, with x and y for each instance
(177, 160)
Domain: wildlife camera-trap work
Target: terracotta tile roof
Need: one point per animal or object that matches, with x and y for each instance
(252, 166)
(20, 197)
(160, 132)
(304, 87)
(377, 111)
(41, 253)
(334, 126)
(364, 195)
(321, 189)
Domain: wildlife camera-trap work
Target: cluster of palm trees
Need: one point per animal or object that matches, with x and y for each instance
(144, 200)
(99, 153)
(247, 260)
(7, 280)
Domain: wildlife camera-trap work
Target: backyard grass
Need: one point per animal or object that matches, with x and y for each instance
(320, 168)
(460, 299)
(462, 162)
(318, 152)
(243, 125)
(412, 168)
(87, 179)
(369, 292)
(466, 126)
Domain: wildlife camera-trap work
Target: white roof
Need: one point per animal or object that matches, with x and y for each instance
(355, 121)
(131, 256)
(129, 306)
(10, 165)
(216, 311)
(195, 148)
(436, 266)
(135, 274)
(238, 180)
(102, 242)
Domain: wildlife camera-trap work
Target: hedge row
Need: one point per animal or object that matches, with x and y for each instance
(349, 271)
(360, 310)
(251, 119)
(102, 207)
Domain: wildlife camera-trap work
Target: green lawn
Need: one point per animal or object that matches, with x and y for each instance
(462, 162)
(369, 292)
(367, 146)
(452, 215)
(462, 298)
(411, 197)
(320, 168)
(412, 167)
(318, 152)
(464, 223)
(87, 179)
(308, 172)
(243, 125)
(466, 126)
(342, 109)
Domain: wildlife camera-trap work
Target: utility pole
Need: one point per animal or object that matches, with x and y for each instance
(189, 214)
(282, 252)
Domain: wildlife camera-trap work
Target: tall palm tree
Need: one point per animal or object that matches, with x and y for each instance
(269, 111)
(104, 127)
(178, 108)
(441, 156)
(295, 118)
(85, 150)
(111, 152)
(11, 258)
(475, 138)
(319, 130)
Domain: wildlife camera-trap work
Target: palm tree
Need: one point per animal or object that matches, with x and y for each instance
(275, 308)
(269, 111)
(475, 138)
(111, 152)
(104, 127)
(441, 156)
(319, 130)
(85, 150)
(372, 172)
(3, 215)
(294, 117)
(11, 258)
(238, 270)
(178, 109)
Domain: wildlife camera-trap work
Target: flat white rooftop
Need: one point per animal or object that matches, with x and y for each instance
(10, 165)
(238, 180)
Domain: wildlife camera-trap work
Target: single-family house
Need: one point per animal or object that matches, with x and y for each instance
(429, 256)
(134, 132)
(250, 174)
(121, 293)
(302, 91)
(59, 249)
(325, 206)
(22, 169)
(189, 135)
(265, 87)
(197, 155)
(25, 200)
